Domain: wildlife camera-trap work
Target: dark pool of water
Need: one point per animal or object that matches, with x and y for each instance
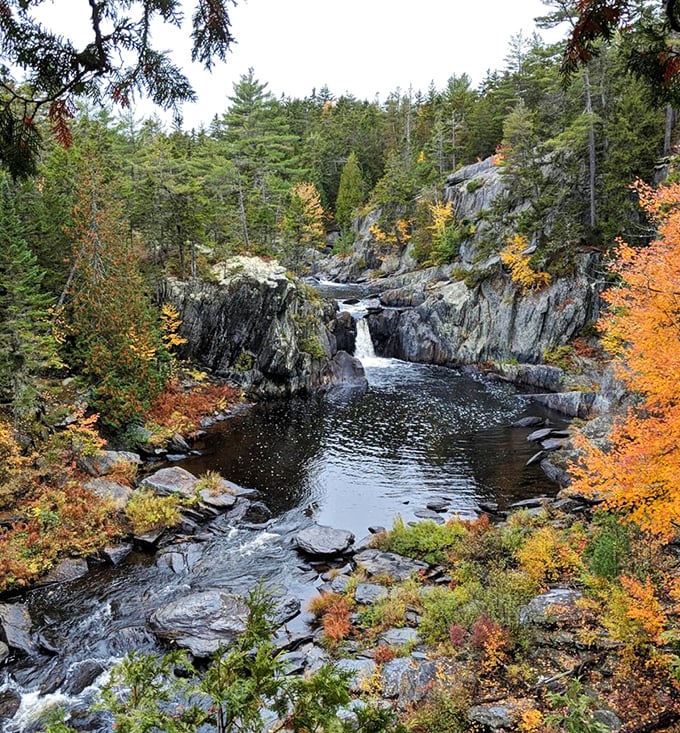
(350, 458)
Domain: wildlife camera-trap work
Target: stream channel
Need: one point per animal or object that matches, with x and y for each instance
(350, 458)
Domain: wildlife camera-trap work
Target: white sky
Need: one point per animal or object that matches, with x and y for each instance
(364, 47)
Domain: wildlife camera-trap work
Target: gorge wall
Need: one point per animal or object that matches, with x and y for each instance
(469, 310)
(269, 333)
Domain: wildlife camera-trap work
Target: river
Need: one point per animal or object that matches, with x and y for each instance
(350, 458)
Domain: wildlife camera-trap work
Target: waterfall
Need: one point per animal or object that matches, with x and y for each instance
(364, 345)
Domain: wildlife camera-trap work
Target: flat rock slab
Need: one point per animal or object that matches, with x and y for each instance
(173, 480)
(117, 494)
(429, 514)
(321, 540)
(339, 583)
(555, 606)
(368, 593)
(376, 562)
(553, 444)
(16, 624)
(531, 421)
(400, 637)
(201, 621)
(438, 505)
(539, 434)
(106, 461)
(218, 500)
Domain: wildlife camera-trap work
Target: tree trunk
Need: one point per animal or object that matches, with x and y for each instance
(591, 150)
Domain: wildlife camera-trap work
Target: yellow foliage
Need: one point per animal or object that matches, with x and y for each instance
(531, 721)
(521, 271)
(170, 323)
(145, 511)
(399, 234)
(441, 214)
(546, 556)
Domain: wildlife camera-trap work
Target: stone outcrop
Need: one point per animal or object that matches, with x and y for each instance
(492, 320)
(254, 324)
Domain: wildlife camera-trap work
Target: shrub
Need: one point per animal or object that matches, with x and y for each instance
(609, 546)
(424, 541)
(146, 512)
(547, 556)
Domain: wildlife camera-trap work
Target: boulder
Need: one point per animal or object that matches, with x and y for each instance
(376, 562)
(15, 622)
(173, 480)
(201, 621)
(573, 404)
(10, 701)
(407, 679)
(105, 461)
(117, 494)
(325, 541)
(217, 499)
(115, 554)
(555, 606)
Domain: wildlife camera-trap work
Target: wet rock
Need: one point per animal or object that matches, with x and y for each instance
(428, 515)
(553, 444)
(68, 569)
(15, 622)
(376, 529)
(438, 505)
(9, 704)
(105, 462)
(539, 435)
(554, 473)
(376, 562)
(321, 540)
(201, 621)
(536, 458)
(400, 637)
(555, 606)
(115, 554)
(364, 543)
(180, 559)
(497, 716)
(173, 480)
(178, 444)
(285, 608)
(4, 651)
(258, 514)
(148, 541)
(117, 494)
(81, 675)
(528, 422)
(368, 593)
(362, 672)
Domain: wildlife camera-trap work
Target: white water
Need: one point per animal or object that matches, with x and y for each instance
(364, 345)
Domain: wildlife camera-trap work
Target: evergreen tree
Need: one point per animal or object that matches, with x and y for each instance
(27, 345)
(350, 192)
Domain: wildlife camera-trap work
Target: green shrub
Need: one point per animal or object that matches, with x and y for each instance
(424, 541)
(145, 511)
(609, 547)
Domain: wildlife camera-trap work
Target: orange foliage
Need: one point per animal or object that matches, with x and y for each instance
(183, 409)
(644, 608)
(336, 623)
(639, 474)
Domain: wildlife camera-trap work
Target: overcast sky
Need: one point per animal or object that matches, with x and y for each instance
(364, 47)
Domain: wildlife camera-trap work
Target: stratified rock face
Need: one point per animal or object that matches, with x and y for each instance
(491, 321)
(256, 325)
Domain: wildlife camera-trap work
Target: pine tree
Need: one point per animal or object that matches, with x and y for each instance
(27, 346)
(350, 192)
